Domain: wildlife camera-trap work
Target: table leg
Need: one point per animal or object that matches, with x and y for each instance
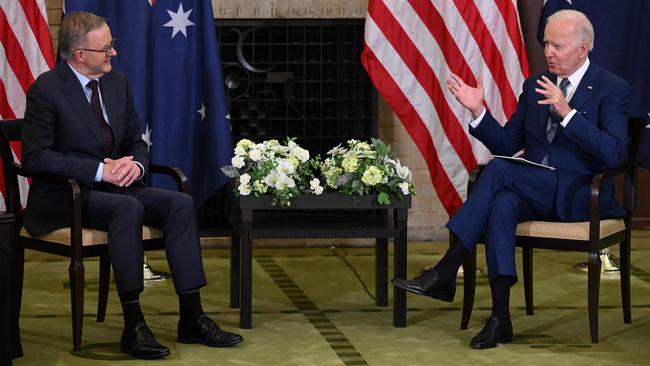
(235, 259)
(400, 217)
(381, 271)
(246, 270)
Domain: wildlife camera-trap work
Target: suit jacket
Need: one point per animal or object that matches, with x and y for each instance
(61, 136)
(594, 139)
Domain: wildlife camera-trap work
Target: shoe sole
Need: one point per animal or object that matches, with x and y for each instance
(146, 357)
(492, 345)
(201, 341)
(417, 291)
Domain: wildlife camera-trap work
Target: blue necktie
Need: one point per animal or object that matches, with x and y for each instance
(554, 119)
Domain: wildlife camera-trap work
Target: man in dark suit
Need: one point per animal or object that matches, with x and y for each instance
(573, 117)
(81, 122)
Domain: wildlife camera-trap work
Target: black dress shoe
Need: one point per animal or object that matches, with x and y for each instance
(139, 342)
(495, 331)
(428, 283)
(205, 331)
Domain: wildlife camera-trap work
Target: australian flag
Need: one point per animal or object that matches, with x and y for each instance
(168, 50)
(621, 45)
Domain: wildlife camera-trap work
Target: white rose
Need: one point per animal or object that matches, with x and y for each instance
(239, 151)
(314, 183)
(271, 179)
(244, 179)
(255, 154)
(244, 189)
(301, 154)
(404, 186)
(285, 166)
(237, 161)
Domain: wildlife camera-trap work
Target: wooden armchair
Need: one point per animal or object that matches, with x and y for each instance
(75, 241)
(589, 237)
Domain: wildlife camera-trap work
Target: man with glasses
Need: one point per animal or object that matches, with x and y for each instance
(81, 122)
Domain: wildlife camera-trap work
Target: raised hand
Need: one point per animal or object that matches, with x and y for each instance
(471, 98)
(553, 96)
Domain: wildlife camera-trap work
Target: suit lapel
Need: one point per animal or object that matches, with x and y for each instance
(73, 91)
(586, 87)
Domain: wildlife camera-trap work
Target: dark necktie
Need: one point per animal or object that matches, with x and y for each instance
(104, 128)
(554, 119)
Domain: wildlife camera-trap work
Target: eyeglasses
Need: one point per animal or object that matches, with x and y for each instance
(106, 50)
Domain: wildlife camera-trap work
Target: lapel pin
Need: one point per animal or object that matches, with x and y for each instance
(589, 87)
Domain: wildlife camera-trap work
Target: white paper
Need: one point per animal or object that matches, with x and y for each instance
(523, 161)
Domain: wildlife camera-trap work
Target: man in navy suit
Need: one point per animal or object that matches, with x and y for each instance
(573, 117)
(81, 122)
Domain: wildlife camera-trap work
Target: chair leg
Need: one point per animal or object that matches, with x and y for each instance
(104, 283)
(528, 279)
(593, 289)
(624, 272)
(469, 288)
(76, 275)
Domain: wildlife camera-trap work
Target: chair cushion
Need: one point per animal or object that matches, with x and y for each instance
(89, 236)
(567, 230)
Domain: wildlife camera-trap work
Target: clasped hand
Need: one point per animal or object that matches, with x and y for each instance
(554, 96)
(121, 172)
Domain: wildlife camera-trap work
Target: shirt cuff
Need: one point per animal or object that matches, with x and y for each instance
(100, 171)
(567, 118)
(477, 121)
(141, 170)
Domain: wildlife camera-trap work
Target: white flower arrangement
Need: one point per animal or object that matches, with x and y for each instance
(362, 169)
(283, 171)
(286, 171)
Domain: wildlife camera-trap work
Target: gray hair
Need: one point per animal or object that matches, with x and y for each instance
(583, 26)
(74, 27)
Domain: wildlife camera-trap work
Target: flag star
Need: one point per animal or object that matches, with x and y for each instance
(179, 21)
(202, 111)
(146, 137)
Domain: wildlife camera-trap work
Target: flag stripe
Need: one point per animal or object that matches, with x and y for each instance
(511, 17)
(38, 24)
(489, 50)
(17, 60)
(412, 48)
(427, 79)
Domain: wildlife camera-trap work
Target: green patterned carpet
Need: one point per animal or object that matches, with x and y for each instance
(312, 307)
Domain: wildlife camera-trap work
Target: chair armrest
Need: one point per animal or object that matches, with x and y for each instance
(175, 173)
(75, 201)
(594, 204)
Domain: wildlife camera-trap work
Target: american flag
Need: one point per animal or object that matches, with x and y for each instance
(25, 53)
(411, 47)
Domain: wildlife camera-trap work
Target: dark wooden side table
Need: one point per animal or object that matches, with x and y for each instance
(330, 215)
(10, 346)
